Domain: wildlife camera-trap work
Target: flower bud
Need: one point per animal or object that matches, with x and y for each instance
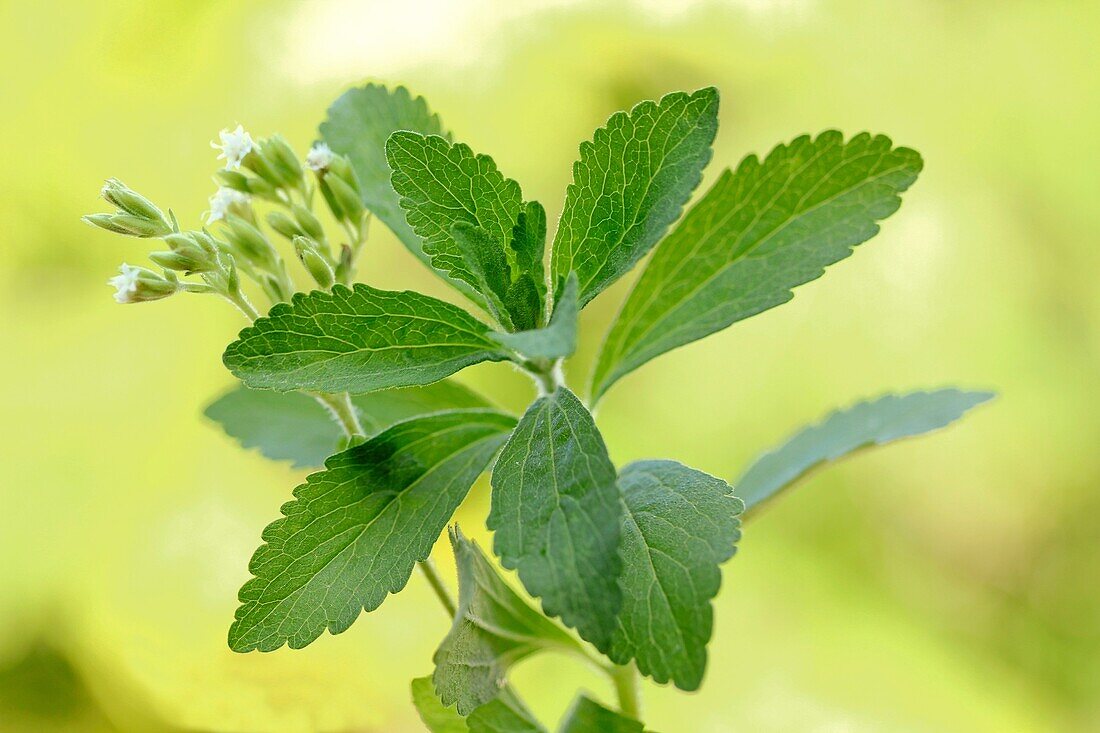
(284, 225)
(259, 162)
(350, 205)
(186, 255)
(139, 284)
(237, 181)
(130, 201)
(309, 223)
(226, 202)
(104, 221)
(249, 241)
(283, 158)
(346, 264)
(314, 262)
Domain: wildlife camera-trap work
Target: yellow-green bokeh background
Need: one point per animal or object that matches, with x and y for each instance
(946, 584)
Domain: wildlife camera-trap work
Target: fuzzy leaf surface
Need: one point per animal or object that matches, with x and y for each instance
(358, 340)
(874, 422)
(504, 714)
(291, 426)
(759, 232)
(586, 716)
(493, 629)
(679, 526)
(443, 184)
(630, 184)
(354, 531)
(556, 515)
(556, 340)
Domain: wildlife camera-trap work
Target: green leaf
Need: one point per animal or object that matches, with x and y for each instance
(358, 340)
(586, 716)
(556, 515)
(504, 714)
(438, 717)
(442, 184)
(529, 245)
(358, 124)
(630, 184)
(355, 530)
(493, 629)
(291, 426)
(487, 264)
(753, 237)
(679, 526)
(875, 422)
(559, 339)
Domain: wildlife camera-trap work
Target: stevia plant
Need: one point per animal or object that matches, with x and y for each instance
(356, 381)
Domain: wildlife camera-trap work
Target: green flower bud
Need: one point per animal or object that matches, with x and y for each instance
(130, 201)
(237, 181)
(249, 241)
(138, 284)
(261, 164)
(104, 221)
(346, 264)
(283, 158)
(284, 225)
(317, 266)
(309, 223)
(350, 204)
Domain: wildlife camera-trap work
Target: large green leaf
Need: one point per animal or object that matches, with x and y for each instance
(443, 184)
(630, 184)
(358, 124)
(493, 629)
(875, 422)
(291, 426)
(679, 526)
(586, 716)
(355, 530)
(556, 515)
(506, 713)
(558, 339)
(753, 237)
(358, 340)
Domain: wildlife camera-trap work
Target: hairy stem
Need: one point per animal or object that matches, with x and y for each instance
(428, 568)
(343, 411)
(628, 688)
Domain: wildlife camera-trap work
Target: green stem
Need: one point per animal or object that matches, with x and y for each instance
(343, 411)
(628, 688)
(428, 568)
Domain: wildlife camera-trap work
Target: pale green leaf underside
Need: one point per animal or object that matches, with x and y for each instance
(875, 422)
(358, 340)
(556, 340)
(493, 629)
(556, 515)
(629, 186)
(586, 716)
(358, 124)
(442, 184)
(759, 232)
(504, 714)
(291, 426)
(355, 530)
(679, 526)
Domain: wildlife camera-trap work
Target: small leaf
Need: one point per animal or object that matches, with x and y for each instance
(443, 184)
(630, 184)
(291, 426)
(559, 339)
(486, 262)
(586, 716)
(358, 340)
(679, 526)
(753, 237)
(355, 530)
(529, 245)
(556, 515)
(358, 125)
(493, 629)
(438, 717)
(876, 422)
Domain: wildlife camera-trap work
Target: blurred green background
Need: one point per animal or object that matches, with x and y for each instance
(944, 584)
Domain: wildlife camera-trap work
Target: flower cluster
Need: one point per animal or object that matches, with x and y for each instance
(266, 172)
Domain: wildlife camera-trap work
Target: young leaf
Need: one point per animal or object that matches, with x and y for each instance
(559, 339)
(493, 629)
(291, 426)
(753, 237)
(358, 125)
(358, 340)
(529, 244)
(487, 264)
(875, 422)
(355, 530)
(679, 526)
(586, 716)
(437, 717)
(556, 515)
(630, 184)
(443, 184)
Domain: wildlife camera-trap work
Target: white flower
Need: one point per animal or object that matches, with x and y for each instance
(126, 283)
(235, 145)
(319, 157)
(222, 201)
